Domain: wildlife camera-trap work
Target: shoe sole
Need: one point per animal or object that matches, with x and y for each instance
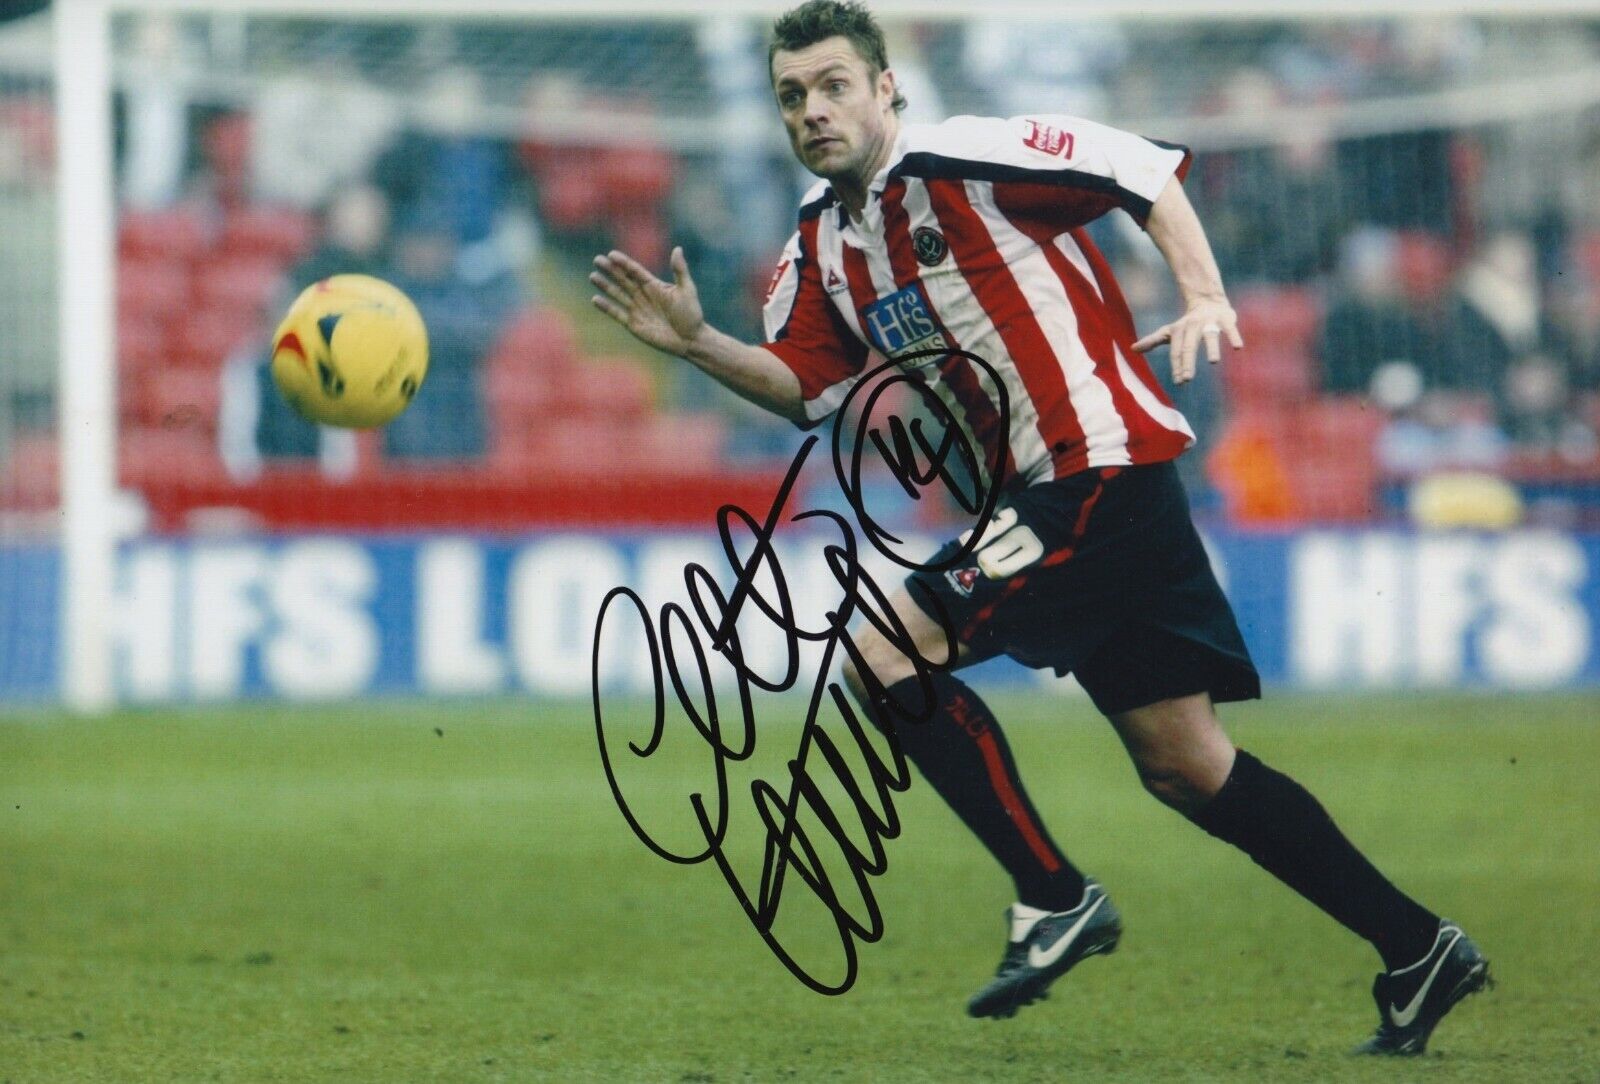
(1037, 987)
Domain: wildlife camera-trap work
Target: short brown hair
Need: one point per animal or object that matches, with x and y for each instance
(818, 20)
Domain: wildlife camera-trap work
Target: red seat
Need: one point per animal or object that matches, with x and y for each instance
(277, 233)
(141, 344)
(245, 283)
(206, 338)
(151, 288)
(581, 446)
(176, 235)
(569, 199)
(635, 177)
(687, 443)
(642, 235)
(615, 388)
(536, 338)
(1331, 460)
(31, 469)
(31, 120)
(148, 454)
(189, 399)
(1268, 374)
(1284, 318)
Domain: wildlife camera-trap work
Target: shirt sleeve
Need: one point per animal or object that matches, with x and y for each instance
(808, 335)
(1059, 172)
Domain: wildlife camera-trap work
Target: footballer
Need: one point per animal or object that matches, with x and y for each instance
(969, 236)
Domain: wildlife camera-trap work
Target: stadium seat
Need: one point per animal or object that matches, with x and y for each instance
(1283, 318)
(537, 338)
(569, 199)
(245, 283)
(30, 119)
(31, 469)
(188, 399)
(680, 442)
(277, 233)
(204, 338)
(1268, 374)
(177, 235)
(151, 288)
(582, 446)
(1330, 458)
(643, 235)
(141, 343)
(151, 454)
(634, 178)
(1246, 463)
(615, 388)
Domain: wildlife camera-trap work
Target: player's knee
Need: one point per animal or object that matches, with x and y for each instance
(876, 665)
(1183, 784)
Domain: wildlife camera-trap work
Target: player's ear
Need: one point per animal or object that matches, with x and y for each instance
(886, 86)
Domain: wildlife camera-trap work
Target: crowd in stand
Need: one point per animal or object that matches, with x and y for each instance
(1465, 323)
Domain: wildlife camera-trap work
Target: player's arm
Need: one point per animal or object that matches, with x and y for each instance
(1207, 317)
(668, 316)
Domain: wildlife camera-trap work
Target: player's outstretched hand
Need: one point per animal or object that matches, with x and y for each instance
(1206, 322)
(666, 315)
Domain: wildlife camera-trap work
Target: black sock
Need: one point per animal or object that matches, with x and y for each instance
(1286, 831)
(962, 753)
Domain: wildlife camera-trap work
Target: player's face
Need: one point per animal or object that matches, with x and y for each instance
(835, 108)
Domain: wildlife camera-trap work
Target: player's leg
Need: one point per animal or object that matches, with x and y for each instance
(1184, 759)
(960, 749)
(1060, 917)
(1157, 679)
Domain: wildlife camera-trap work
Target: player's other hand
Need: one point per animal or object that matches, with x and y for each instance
(667, 315)
(1205, 324)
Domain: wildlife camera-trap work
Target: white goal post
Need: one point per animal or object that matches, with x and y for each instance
(85, 76)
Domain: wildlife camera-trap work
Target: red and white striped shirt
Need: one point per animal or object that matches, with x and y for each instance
(971, 240)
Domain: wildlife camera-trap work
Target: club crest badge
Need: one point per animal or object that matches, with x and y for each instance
(929, 245)
(963, 579)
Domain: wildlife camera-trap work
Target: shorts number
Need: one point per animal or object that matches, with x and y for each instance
(1007, 547)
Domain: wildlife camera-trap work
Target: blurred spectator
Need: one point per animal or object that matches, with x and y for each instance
(1278, 213)
(1428, 431)
(464, 317)
(156, 113)
(736, 67)
(1495, 315)
(1572, 313)
(1539, 412)
(1045, 65)
(1368, 322)
(441, 167)
(355, 239)
(317, 129)
(27, 286)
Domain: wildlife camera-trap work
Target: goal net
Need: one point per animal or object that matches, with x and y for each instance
(1404, 207)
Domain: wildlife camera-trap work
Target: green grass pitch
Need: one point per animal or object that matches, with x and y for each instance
(403, 893)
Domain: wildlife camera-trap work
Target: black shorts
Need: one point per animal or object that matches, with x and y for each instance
(1102, 576)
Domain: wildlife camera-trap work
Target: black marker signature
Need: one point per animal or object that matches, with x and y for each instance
(679, 655)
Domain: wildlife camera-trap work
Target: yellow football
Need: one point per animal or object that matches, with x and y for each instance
(352, 351)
